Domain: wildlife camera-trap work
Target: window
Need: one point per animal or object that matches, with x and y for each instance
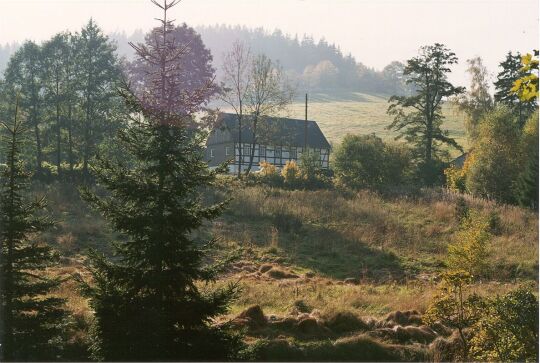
(247, 149)
(262, 151)
(277, 152)
(211, 153)
(293, 153)
(227, 151)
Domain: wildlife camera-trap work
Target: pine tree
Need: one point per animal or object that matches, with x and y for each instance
(528, 184)
(31, 319)
(511, 72)
(418, 118)
(151, 302)
(24, 72)
(98, 75)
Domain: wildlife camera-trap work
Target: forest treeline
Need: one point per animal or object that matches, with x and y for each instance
(68, 91)
(314, 65)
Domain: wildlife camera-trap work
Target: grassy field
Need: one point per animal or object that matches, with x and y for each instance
(325, 265)
(341, 113)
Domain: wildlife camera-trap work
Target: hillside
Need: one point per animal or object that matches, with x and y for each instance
(339, 113)
(344, 262)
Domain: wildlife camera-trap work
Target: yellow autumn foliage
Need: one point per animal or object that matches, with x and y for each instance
(468, 252)
(291, 172)
(267, 169)
(526, 87)
(456, 177)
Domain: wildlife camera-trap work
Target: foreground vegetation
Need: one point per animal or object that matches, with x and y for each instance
(329, 252)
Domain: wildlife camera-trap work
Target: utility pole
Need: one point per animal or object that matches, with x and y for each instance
(305, 128)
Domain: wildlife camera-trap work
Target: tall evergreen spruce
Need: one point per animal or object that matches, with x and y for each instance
(528, 183)
(511, 72)
(31, 321)
(152, 301)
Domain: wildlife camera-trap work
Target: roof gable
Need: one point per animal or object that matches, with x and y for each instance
(277, 131)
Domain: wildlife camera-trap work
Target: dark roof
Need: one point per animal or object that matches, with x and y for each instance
(460, 160)
(277, 131)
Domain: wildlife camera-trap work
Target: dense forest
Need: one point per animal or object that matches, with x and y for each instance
(393, 253)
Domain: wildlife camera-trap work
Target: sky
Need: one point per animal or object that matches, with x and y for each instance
(375, 32)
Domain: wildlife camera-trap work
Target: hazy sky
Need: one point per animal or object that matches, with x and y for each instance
(374, 31)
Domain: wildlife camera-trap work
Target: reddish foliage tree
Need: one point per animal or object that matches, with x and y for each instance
(173, 72)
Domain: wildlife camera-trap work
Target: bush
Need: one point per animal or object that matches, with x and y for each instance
(497, 159)
(461, 210)
(291, 174)
(313, 176)
(527, 185)
(456, 178)
(269, 174)
(508, 329)
(365, 161)
(469, 250)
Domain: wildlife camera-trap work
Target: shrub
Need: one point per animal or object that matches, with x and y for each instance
(469, 251)
(508, 329)
(291, 173)
(454, 309)
(269, 174)
(497, 161)
(456, 178)
(365, 161)
(462, 210)
(313, 176)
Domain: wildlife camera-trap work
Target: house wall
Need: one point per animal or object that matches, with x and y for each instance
(219, 147)
(276, 155)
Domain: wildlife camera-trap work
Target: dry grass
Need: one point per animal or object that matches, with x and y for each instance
(393, 247)
(364, 230)
(330, 297)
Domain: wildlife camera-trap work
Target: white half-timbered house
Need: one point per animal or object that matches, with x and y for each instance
(278, 141)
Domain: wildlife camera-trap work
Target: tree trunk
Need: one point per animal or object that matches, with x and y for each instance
(70, 140)
(252, 153)
(240, 143)
(86, 147)
(58, 132)
(39, 153)
(35, 123)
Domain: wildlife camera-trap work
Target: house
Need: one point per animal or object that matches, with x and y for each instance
(460, 160)
(279, 140)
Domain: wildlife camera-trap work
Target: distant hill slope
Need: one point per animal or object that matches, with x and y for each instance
(314, 65)
(311, 65)
(339, 113)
